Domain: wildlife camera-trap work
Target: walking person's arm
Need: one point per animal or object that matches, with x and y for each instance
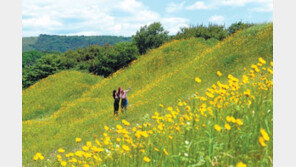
(128, 89)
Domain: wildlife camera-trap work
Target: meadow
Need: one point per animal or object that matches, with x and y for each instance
(193, 102)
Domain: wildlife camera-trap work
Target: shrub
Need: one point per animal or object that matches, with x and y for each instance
(149, 37)
(238, 26)
(212, 31)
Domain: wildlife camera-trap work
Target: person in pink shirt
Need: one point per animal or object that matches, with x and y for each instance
(123, 96)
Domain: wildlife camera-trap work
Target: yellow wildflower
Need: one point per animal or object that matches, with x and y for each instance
(247, 93)
(79, 153)
(125, 148)
(241, 164)
(227, 126)
(228, 119)
(209, 94)
(264, 134)
(170, 108)
(119, 127)
(61, 150)
(125, 122)
(261, 141)
(217, 128)
(219, 73)
(88, 144)
(85, 148)
(180, 104)
(198, 80)
(38, 156)
(270, 71)
(262, 61)
(146, 159)
(78, 139)
(165, 152)
(59, 156)
(87, 155)
(64, 163)
(239, 121)
(160, 105)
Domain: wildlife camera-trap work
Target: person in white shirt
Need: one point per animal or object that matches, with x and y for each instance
(123, 96)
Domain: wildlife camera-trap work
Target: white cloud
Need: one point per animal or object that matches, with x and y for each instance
(173, 24)
(90, 17)
(199, 5)
(112, 17)
(173, 7)
(236, 2)
(263, 5)
(217, 19)
(43, 21)
(266, 7)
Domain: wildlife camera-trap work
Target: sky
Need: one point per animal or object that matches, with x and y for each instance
(125, 17)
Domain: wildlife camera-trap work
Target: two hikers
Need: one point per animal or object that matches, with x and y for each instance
(117, 95)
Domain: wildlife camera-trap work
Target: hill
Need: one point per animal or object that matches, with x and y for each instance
(28, 43)
(59, 43)
(47, 96)
(167, 77)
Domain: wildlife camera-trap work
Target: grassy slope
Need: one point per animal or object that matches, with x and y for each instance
(47, 96)
(162, 76)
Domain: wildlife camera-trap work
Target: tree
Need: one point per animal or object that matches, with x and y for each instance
(238, 26)
(149, 37)
(112, 58)
(44, 67)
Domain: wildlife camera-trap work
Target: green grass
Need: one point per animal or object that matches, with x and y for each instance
(47, 96)
(162, 76)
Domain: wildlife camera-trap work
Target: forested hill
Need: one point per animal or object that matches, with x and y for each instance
(64, 43)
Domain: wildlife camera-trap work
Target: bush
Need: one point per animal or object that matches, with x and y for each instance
(238, 26)
(212, 31)
(149, 37)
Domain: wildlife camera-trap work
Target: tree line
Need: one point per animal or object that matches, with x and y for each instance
(105, 60)
(60, 43)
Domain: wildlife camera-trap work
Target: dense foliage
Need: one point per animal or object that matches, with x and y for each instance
(94, 59)
(238, 26)
(218, 32)
(30, 57)
(149, 37)
(64, 43)
(212, 31)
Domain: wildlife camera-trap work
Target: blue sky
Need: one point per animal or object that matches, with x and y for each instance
(125, 17)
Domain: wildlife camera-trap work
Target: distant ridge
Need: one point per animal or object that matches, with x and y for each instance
(63, 43)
